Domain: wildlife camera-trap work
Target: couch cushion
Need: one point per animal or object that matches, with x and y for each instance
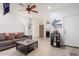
(5, 43)
(2, 36)
(10, 36)
(19, 35)
(7, 35)
(6, 47)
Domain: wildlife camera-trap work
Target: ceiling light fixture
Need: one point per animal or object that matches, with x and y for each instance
(49, 7)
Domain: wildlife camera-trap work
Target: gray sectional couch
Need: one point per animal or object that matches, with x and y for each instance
(8, 41)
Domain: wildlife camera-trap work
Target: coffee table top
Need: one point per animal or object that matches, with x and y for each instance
(26, 42)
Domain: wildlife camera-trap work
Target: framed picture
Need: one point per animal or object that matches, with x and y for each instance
(57, 23)
(6, 8)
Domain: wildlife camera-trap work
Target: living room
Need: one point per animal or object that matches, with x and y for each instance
(38, 24)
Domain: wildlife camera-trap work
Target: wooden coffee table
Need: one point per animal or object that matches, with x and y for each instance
(26, 46)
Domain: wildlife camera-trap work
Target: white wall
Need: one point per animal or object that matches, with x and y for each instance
(9, 22)
(66, 10)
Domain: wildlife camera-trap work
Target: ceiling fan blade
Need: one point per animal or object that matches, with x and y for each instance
(22, 5)
(34, 11)
(33, 6)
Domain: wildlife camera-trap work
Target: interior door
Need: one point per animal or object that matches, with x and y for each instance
(71, 30)
(41, 31)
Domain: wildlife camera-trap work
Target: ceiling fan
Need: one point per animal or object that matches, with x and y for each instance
(30, 8)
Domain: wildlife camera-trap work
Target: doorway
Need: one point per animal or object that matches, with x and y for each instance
(41, 31)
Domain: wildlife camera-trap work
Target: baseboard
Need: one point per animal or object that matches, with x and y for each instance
(71, 46)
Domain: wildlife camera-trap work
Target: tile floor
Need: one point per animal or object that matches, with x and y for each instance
(44, 49)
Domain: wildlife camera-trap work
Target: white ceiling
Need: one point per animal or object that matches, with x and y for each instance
(42, 8)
